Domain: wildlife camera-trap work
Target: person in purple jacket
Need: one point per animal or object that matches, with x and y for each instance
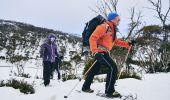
(48, 52)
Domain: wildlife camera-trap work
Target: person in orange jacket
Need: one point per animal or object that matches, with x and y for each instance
(101, 42)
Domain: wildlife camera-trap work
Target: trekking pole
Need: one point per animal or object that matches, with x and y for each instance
(124, 60)
(84, 76)
(66, 96)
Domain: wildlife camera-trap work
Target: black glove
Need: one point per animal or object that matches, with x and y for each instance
(61, 57)
(57, 59)
(84, 53)
(99, 57)
(132, 42)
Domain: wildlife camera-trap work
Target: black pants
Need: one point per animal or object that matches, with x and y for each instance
(111, 74)
(57, 68)
(47, 71)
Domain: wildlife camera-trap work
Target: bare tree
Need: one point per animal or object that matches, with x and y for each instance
(104, 6)
(157, 6)
(134, 23)
(163, 17)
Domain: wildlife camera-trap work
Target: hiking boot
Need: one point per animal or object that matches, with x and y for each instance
(45, 84)
(114, 94)
(51, 76)
(88, 90)
(59, 78)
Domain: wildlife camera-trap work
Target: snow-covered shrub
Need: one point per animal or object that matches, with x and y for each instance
(68, 77)
(23, 86)
(124, 74)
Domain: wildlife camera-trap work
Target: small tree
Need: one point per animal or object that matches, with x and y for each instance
(19, 61)
(163, 17)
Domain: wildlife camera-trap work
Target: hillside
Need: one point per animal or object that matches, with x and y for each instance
(20, 44)
(19, 53)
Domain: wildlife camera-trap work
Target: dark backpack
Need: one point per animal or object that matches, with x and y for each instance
(89, 29)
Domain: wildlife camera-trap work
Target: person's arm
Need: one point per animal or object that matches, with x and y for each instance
(42, 50)
(56, 52)
(121, 43)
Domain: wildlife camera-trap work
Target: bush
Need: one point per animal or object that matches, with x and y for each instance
(24, 87)
(88, 65)
(103, 69)
(100, 80)
(25, 75)
(22, 75)
(68, 77)
(129, 75)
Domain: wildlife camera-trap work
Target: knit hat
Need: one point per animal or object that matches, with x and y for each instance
(112, 16)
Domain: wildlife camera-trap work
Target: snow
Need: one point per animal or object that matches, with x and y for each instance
(151, 87)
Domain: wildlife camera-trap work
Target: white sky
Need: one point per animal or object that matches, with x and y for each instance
(67, 15)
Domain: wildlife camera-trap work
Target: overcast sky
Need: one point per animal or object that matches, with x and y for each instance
(68, 15)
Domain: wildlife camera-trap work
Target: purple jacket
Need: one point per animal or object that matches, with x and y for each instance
(48, 50)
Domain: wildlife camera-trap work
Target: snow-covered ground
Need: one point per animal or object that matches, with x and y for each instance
(151, 87)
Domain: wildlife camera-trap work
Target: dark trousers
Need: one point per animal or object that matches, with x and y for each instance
(57, 68)
(111, 74)
(47, 70)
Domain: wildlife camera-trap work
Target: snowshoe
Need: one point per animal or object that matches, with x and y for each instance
(114, 94)
(88, 90)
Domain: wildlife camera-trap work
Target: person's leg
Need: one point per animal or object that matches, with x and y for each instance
(52, 70)
(111, 74)
(46, 72)
(58, 69)
(90, 75)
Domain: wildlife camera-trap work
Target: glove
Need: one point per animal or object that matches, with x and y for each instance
(57, 59)
(132, 42)
(85, 51)
(61, 57)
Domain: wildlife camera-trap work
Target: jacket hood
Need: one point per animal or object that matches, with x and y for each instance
(51, 35)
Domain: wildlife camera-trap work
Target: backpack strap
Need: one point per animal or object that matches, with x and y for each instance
(115, 30)
(107, 28)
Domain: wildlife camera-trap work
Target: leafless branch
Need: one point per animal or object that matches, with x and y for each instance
(150, 8)
(93, 10)
(107, 5)
(103, 6)
(134, 23)
(157, 6)
(114, 4)
(166, 15)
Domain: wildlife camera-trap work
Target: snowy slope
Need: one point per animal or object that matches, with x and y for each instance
(151, 87)
(24, 40)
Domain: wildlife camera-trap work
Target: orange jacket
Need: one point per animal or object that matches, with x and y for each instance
(100, 37)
